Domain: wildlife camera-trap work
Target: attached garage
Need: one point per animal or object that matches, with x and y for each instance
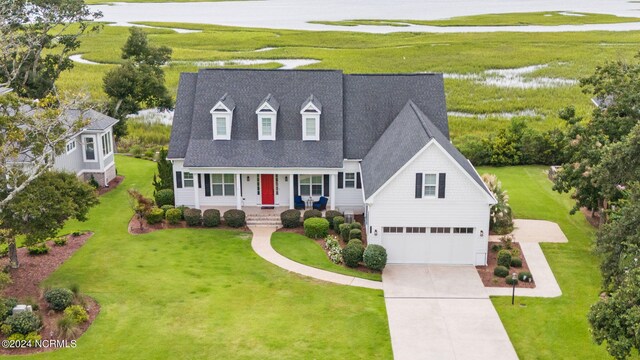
(425, 247)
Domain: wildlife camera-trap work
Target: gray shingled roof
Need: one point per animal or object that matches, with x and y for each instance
(409, 132)
(227, 101)
(271, 101)
(312, 100)
(191, 137)
(97, 120)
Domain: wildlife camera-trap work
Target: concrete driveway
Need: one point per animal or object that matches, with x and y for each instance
(442, 312)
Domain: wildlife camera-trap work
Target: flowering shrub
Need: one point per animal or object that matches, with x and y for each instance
(332, 245)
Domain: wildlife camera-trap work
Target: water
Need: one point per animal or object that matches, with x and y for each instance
(514, 78)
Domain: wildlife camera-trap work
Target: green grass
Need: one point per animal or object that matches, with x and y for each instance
(552, 328)
(143, 135)
(204, 294)
(306, 251)
(545, 18)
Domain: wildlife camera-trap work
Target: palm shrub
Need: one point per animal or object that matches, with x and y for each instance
(312, 213)
(344, 232)
(504, 258)
(337, 221)
(290, 218)
(330, 215)
(173, 216)
(59, 298)
(501, 218)
(375, 257)
(235, 218)
(316, 228)
(164, 197)
(211, 218)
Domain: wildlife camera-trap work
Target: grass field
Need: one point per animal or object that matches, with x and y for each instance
(204, 294)
(552, 328)
(545, 18)
(306, 251)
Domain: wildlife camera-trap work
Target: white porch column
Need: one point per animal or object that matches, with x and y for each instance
(332, 191)
(238, 195)
(291, 192)
(196, 195)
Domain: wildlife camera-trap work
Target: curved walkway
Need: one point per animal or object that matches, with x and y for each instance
(261, 244)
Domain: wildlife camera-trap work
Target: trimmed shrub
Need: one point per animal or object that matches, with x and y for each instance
(5, 280)
(235, 218)
(60, 241)
(313, 213)
(496, 247)
(523, 274)
(344, 232)
(77, 233)
(166, 207)
(155, 216)
(211, 218)
(182, 208)
(8, 305)
(38, 249)
(352, 254)
(16, 337)
(24, 322)
(173, 216)
(355, 242)
(77, 313)
(511, 281)
(504, 258)
(164, 197)
(330, 215)
(337, 221)
(356, 225)
(6, 329)
(501, 271)
(375, 257)
(516, 262)
(290, 218)
(355, 234)
(59, 298)
(31, 339)
(193, 217)
(316, 228)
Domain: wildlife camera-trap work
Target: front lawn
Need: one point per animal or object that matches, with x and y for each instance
(204, 294)
(306, 251)
(552, 328)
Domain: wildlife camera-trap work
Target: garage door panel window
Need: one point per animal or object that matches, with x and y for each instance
(392, 229)
(416, 230)
(440, 230)
(463, 230)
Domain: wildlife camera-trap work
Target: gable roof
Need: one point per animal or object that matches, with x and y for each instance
(388, 155)
(271, 101)
(227, 101)
(313, 101)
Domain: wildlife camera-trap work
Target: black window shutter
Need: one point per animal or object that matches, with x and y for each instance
(179, 179)
(207, 185)
(358, 181)
(340, 180)
(326, 185)
(241, 185)
(199, 181)
(418, 185)
(442, 184)
(295, 185)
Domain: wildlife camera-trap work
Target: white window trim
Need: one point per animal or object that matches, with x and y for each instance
(71, 142)
(108, 136)
(95, 148)
(311, 183)
(184, 179)
(227, 114)
(355, 180)
(261, 135)
(224, 183)
(305, 135)
(424, 185)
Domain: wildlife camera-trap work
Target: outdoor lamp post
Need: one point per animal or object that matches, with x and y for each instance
(514, 278)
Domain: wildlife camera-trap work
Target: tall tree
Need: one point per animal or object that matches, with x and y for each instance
(620, 164)
(164, 178)
(41, 210)
(36, 38)
(139, 81)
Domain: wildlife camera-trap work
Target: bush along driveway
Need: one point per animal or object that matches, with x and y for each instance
(200, 293)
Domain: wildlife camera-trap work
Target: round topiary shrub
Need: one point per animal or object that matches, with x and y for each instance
(193, 217)
(504, 258)
(173, 216)
(330, 215)
(344, 232)
(375, 257)
(501, 271)
(516, 262)
(166, 207)
(313, 213)
(24, 322)
(525, 276)
(164, 197)
(182, 208)
(290, 218)
(356, 225)
(316, 228)
(211, 218)
(355, 242)
(59, 298)
(352, 254)
(337, 221)
(155, 216)
(235, 218)
(355, 234)
(511, 281)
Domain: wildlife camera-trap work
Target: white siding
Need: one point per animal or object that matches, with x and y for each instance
(183, 196)
(350, 199)
(465, 205)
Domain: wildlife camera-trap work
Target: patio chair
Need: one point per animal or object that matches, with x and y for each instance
(321, 204)
(298, 203)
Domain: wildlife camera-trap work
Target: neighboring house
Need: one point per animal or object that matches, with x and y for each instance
(372, 144)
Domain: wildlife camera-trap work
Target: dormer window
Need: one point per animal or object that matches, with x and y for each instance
(267, 118)
(222, 118)
(310, 112)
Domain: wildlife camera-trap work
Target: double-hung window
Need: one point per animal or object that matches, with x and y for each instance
(266, 127)
(71, 145)
(311, 185)
(187, 179)
(430, 185)
(107, 147)
(349, 180)
(221, 126)
(89, 153)
(223, 184)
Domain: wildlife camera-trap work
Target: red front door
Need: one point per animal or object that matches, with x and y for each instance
(266, 184)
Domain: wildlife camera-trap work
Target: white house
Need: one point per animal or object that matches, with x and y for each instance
(371, 144)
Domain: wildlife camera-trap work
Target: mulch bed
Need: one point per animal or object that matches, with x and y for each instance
(594, 219)
(134, 226)
(25, 287)
(112, 185)
(490, 280)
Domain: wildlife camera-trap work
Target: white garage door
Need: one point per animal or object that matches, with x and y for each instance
(408, 248)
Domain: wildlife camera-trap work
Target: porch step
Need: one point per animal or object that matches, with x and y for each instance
(263, 220)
